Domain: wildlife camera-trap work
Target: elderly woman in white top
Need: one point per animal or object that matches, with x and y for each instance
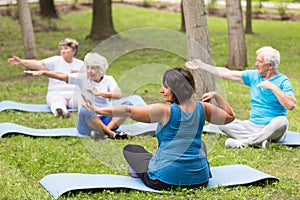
(60, 94)
(99, 87)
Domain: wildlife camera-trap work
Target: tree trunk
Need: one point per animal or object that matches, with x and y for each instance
(183, 29)
(47, 9)
(237, 58)
(27, 30)
(248, 18)
(102, 24)
(198, 42)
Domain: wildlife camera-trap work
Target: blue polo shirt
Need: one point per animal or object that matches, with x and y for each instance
(264, 104)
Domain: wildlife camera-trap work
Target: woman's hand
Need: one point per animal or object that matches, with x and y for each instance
(74, 71)
(88, 104)
(14, 60)
(91, 89)
(206, 97)
(194, 64)
(35, 73)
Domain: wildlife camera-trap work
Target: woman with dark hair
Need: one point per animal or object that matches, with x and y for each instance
(180, 159)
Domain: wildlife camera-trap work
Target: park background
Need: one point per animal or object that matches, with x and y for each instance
(25, 160)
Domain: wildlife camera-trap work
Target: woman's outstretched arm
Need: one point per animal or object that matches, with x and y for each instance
(51, 74)
(148, 114)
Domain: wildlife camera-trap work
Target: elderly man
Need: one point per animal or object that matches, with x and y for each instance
(271, 95)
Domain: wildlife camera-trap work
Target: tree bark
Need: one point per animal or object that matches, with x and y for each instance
(27, 30)
(198, 42)
(183, 29)
(102, 23)
(249, 17)
(237, 58)
(47, 9)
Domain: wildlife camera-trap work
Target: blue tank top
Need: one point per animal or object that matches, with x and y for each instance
(180, 159)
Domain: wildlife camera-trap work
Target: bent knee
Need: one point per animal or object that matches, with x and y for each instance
(86, 115)
(280, 120)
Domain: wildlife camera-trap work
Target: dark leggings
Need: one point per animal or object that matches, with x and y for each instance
(138, 159)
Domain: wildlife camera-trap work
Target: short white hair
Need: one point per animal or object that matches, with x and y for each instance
(94, 59)
(270, 55)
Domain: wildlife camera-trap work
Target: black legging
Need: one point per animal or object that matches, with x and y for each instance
(138, 159)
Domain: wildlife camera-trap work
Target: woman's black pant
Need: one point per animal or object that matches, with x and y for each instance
(138, 159)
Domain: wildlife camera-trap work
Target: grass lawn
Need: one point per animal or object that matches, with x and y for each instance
(25, 160)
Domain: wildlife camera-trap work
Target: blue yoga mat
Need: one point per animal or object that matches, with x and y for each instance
(26, 107)
(292, 138)
(9, 128)
(229, 175)
(135, 129)
(232, 175)
(139, 128)
(135, 100)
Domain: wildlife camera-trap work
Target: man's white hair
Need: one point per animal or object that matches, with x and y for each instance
(94, 59)
(270, 55)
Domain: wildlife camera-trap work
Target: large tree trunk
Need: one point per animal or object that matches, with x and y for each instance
(27, 30)
(248, 17)
(47, 9)
(198, 42)
(237, 58)
(102, 24)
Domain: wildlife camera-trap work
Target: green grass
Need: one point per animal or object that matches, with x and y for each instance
(25, 160)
